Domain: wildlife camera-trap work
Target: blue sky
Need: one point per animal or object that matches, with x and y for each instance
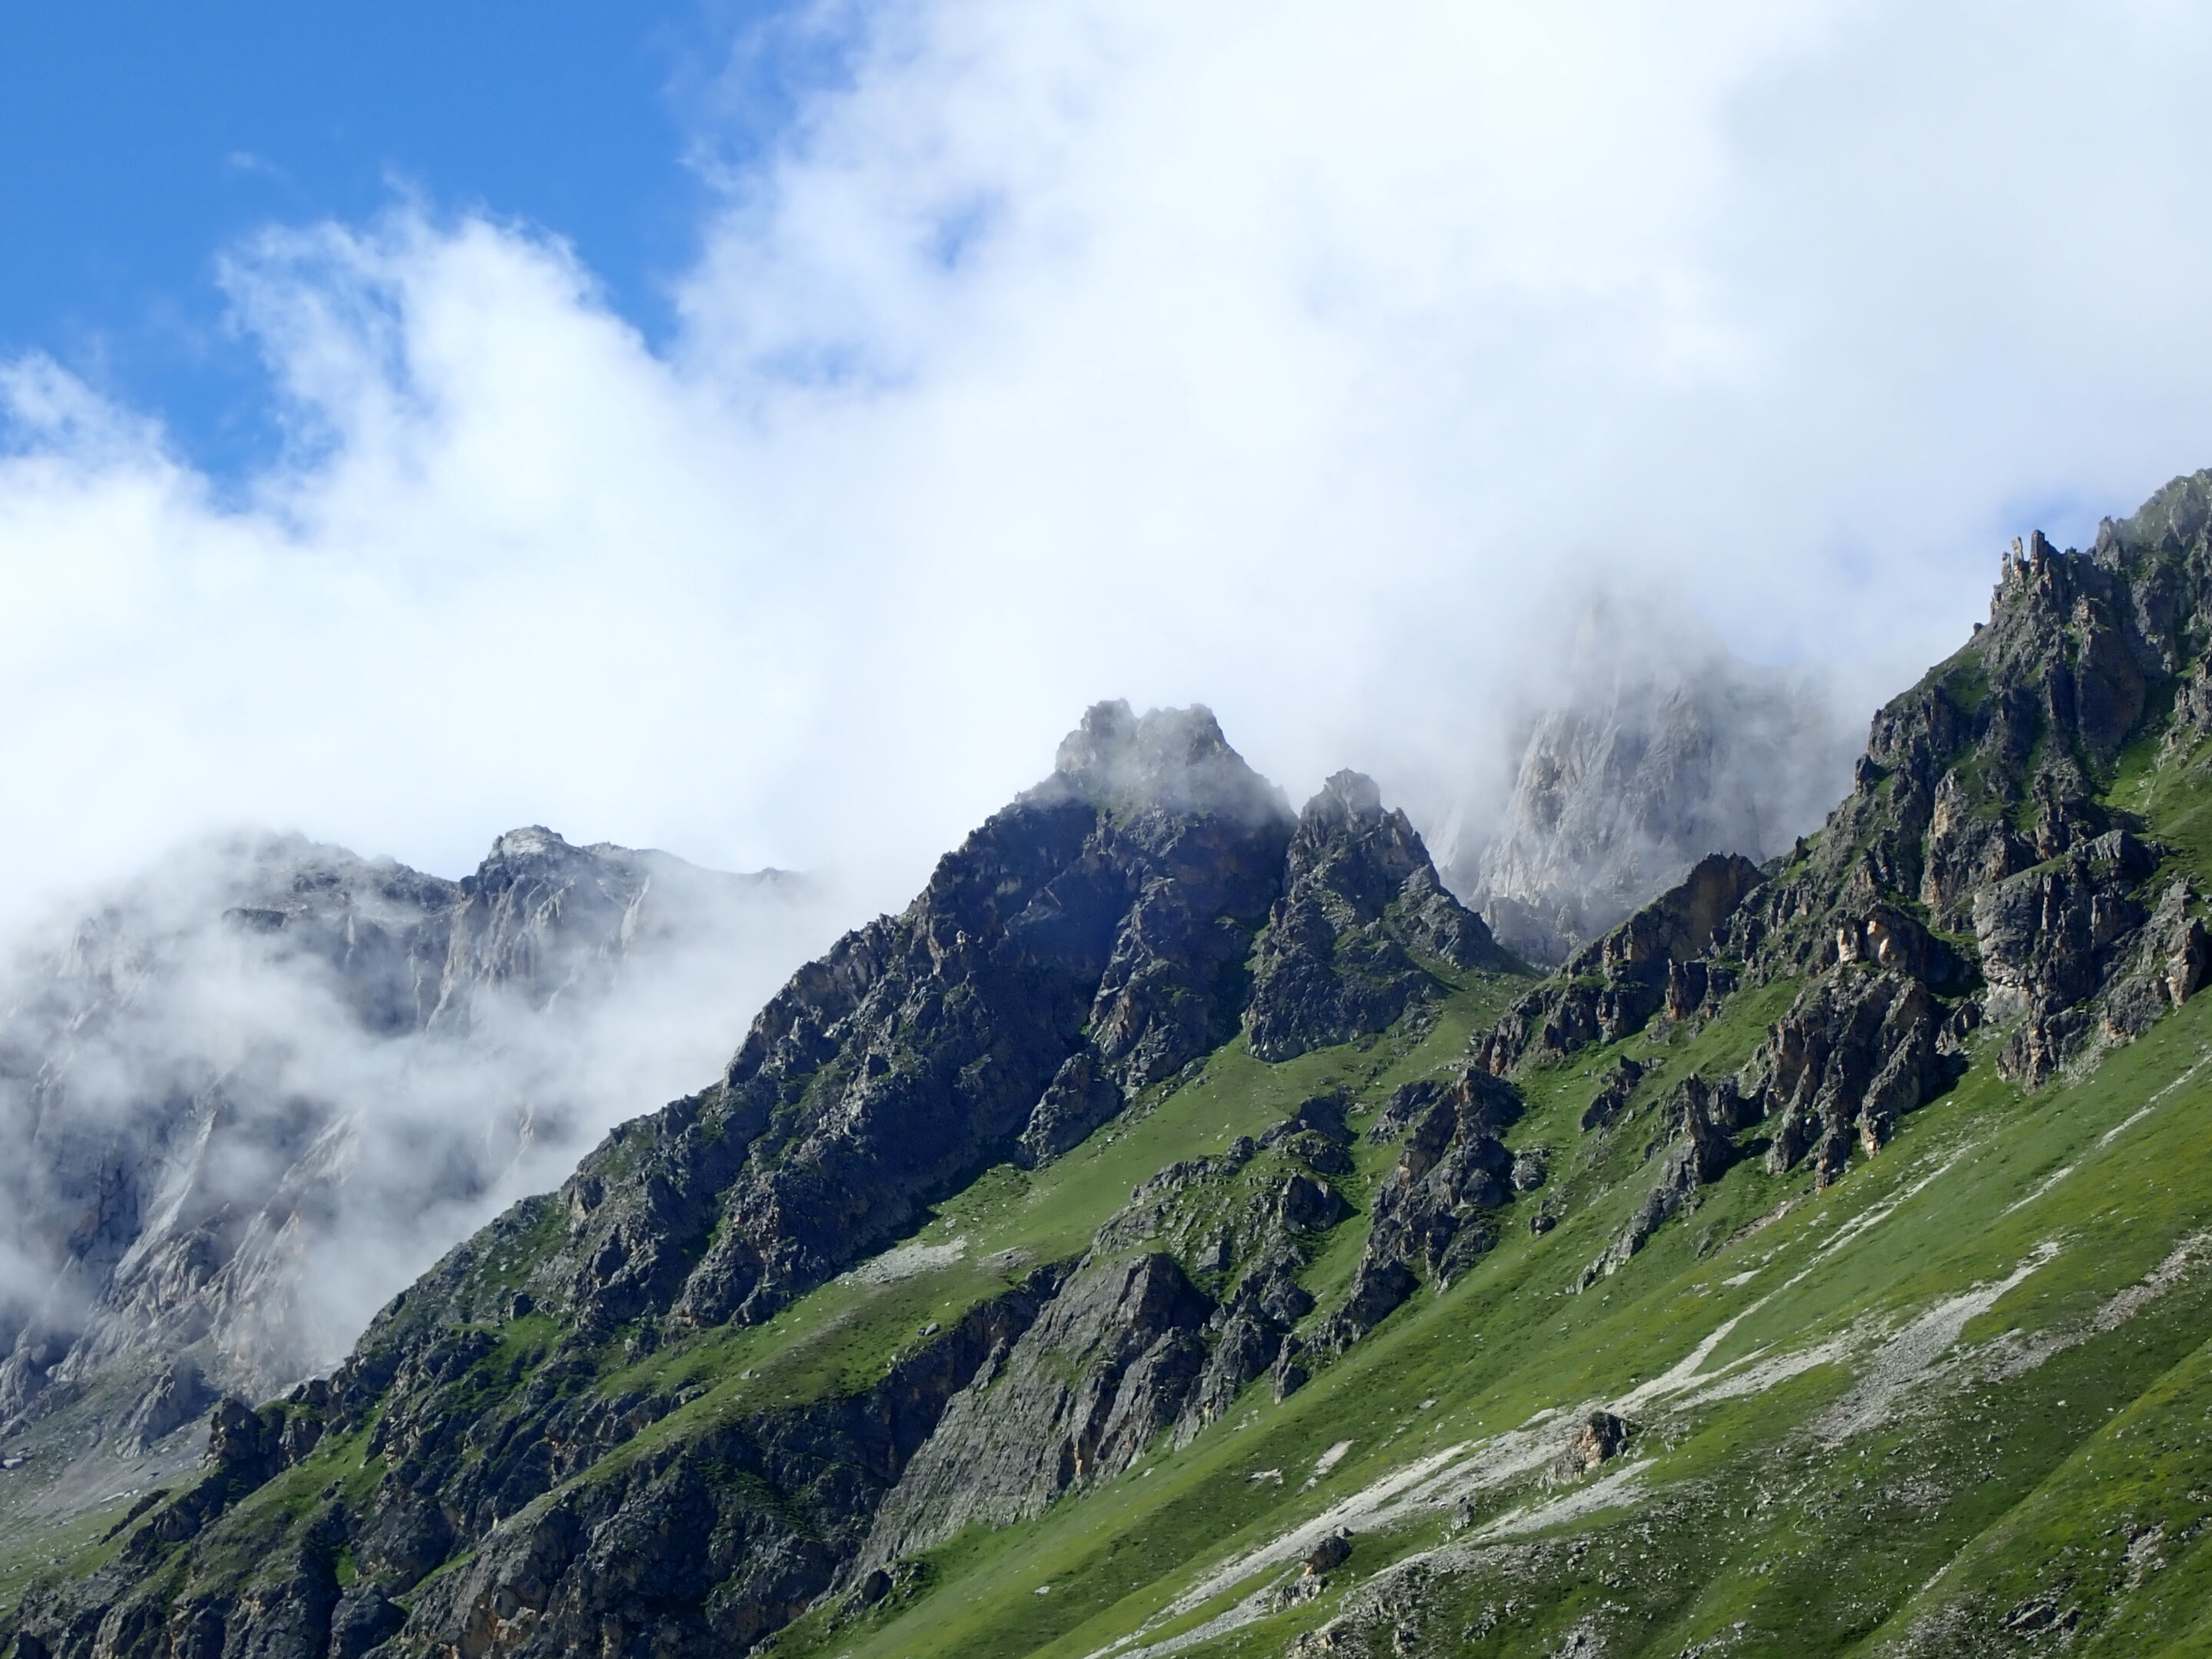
(140, 137)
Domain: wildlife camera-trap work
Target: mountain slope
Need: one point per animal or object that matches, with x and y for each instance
(1821, 1264)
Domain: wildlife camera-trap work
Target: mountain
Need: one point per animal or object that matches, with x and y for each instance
(1653, 761)
(233, 1091)
(1183, 1231)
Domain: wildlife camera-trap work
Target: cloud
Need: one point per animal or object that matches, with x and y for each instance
(255, 1092)
(1294, 360)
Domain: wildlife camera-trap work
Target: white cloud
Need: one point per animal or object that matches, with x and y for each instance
(1290, 358)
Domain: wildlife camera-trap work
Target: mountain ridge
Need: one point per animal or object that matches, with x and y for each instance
(1770, 1280)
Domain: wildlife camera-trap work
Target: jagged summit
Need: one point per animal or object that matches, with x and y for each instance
(1648, 764)
(1174, 760)
(531, 841)
(1361, 906)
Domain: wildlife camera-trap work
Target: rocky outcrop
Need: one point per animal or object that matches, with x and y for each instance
(2056, 935)
(1254, 1328)
(1615, 1090)
(1362, 910)
(761, 1508)
(1975, 803)
(1436, 1210)
(1970, 876)
(1081, 1097)
(1612, 988)
(1113, 1360)
(1855, 1052)
(1599, 1438)
(1249, 1231)
(2170, 957)
(1701, 1119)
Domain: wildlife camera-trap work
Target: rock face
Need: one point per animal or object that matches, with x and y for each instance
(183, 1080)
(1657, 959)
(1598, 1438)
(1250, 1239)
(1091, 937)
(1976, 801)
(1436, 1210)
(1701, 1117)
(1114, 1359)
(1362, 909)
(761, 1510)
(1646, 771)
(1855, 1053)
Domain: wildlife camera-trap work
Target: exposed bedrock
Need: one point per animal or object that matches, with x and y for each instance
(1611, 988)
(1362, 924)
(1113, 1360)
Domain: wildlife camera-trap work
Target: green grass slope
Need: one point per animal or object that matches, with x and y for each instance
(1963, 1390)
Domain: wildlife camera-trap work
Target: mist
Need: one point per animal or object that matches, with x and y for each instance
(1641, 744)
(247, 1096)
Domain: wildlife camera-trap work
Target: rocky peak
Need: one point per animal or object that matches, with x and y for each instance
(518, 849)
(1362, 913)
(1972, 874)
(200, 1080)
(1638, 773)
(1363, 854)
(1086, 942)
(1173, 760)
(540, 916)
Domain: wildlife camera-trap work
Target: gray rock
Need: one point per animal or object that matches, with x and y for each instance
(1618, 793)
(1855, 1053)
(1107, 915)
(1435, 1206)
(1608, 1106)
(174, 1077)
(1113, 1360)
(1610, 989)
(1597, 1439)
(1362, 910)
(1700, 1117)
(1079, 1099)
(1332, 1553)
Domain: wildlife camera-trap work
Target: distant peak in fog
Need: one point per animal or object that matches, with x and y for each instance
(1657, 752)
(246, 1095)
